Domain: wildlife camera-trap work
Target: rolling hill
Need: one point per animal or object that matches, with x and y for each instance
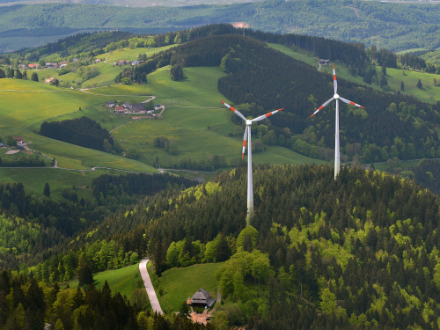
(395, 26)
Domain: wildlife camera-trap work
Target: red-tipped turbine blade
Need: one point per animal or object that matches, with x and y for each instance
(238, 113)
(351, 103)
(321, 107)
(267, 115)
(335, 82)
(244, 142)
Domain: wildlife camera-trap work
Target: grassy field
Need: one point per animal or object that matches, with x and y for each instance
(428, 93)
(181, 283)
(403, 52)
(129, 54)
(121, 280)
(21, 154)
(24, 107)
(34, 180)
(27, 104)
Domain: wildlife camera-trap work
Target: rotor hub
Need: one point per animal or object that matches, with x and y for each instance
(336, 96)
(249, 122)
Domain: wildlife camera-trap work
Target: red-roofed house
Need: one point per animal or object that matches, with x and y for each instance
(33, 66)
(119, 109)
(19, 139)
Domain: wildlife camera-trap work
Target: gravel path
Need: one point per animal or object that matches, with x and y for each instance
(149, 286)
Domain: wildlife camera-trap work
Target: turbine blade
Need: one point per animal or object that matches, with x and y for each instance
(335, 82)
(238, 113)
(266, 115)
(244, 142)
(351, 103)
(321, 107)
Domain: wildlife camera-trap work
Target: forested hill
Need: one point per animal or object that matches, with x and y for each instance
(260, 78)
(359, 251)
(391, 25)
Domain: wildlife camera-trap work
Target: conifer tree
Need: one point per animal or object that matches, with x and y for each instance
(34, 77)
(46, 190)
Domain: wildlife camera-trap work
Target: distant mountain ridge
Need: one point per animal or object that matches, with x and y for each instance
(389, 25)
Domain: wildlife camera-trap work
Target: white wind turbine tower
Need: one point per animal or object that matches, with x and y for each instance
(247, 135)
(337, 98)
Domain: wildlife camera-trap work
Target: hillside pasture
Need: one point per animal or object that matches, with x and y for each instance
(122, 280)
(428, 93)
(34, 180)
(27, 104)
(179, 284)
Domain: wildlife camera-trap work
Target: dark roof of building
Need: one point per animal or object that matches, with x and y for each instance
(140, 106)
(202, 297)
(1, 144)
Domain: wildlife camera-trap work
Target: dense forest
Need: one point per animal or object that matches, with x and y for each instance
(27, 304)
(359, 251)
(33, 229)
(83, 131)
(138, 184)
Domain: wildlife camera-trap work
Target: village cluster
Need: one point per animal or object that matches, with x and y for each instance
(130, 108)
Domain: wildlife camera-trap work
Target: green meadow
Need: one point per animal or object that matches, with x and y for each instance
(122, 280)
(428, 93)
(34, 180)
(179, 284)
(25, 106)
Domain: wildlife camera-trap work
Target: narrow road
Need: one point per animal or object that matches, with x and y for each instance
(149, 286)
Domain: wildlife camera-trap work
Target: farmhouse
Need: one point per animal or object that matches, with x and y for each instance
(138, 107)
(135, 63)
(201, 297)
(51, 65)
(50, 80)
(19, 139)
(119, 109)
(33, 66)
(127, 105)
(109, 104)
(75, 60)
(324, 62)
(2, 144)
(63, 62)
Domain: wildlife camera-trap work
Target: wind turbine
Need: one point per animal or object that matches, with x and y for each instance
(337, 98)
(247, 135)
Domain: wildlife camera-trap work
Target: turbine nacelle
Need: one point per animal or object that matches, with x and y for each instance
(248, 122)
(336, 96)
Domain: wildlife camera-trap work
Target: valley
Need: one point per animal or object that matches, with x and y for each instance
(116, 148)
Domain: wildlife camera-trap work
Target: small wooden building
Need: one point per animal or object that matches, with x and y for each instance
(202, 298)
